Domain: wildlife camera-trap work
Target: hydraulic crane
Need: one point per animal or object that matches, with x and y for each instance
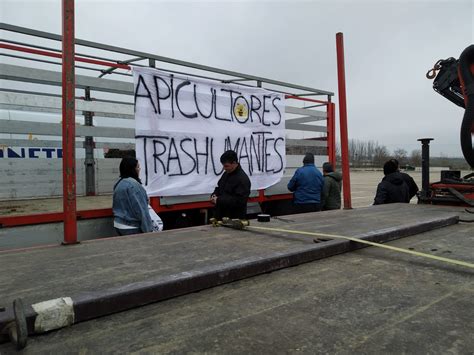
(454, 79)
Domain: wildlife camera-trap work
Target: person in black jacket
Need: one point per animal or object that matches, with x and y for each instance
(393, 187)
(412, 186)
(233, 189)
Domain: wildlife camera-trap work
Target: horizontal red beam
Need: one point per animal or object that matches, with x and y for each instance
(110, 64)
(206, 204)
(59, 55)
(305, 99)
(454, 186)
(288, 196)
(181, 206)
(24, 220)
(89, 214)
(55, 217)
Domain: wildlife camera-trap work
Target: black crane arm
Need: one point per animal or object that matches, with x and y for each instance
(455, 81)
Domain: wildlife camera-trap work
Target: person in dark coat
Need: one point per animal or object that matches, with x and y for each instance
(233, 189)
(307, 185)
(412, 186)
(393, 187)
(331, 197)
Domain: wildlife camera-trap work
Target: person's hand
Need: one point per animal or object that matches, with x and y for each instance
(213, 199)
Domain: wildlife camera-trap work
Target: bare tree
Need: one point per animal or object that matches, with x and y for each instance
(338, 151)
(415, 157)
(401, 155)
(357, 152)
(367, 153)
(381, 155)
(371, 145)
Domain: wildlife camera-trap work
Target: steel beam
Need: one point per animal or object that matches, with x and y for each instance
(51, 77)
(123, 109)
(306, 112)
(69, 124)
(346, 182)
(89, 145)
(80, 42)
(54, 129)
(331, 126)
(305, 119)
(305, 143)
(41, 143)
(16, 99)
(304, 127)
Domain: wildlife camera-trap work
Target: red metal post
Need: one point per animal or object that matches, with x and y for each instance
(155, 204)
(346, 182)
(68, 124)
(331, 134)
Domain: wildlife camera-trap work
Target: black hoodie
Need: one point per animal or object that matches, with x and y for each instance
(392, 189)
(232, 191)
(412, 186)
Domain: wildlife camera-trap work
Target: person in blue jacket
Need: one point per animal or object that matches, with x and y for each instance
(307, 184)
(130, 201)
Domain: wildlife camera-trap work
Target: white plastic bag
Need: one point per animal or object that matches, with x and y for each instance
(155, 220)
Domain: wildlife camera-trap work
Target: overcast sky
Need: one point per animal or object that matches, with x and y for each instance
(389, 46)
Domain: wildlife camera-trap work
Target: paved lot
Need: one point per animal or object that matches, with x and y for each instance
(364, 185)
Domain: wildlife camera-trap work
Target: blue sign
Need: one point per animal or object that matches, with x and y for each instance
(31, 153)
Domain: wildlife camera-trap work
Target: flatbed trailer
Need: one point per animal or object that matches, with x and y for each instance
(344, 301)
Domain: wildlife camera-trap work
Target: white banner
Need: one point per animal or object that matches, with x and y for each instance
(183, 125)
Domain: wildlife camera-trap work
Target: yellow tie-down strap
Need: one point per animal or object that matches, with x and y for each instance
(385, 246)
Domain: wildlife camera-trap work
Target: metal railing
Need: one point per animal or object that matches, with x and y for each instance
(108, 93)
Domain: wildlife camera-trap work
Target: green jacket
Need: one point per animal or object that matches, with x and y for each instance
(331, 196)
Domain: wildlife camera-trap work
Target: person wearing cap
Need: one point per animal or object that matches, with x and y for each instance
(233, 189)
(393, 187)
(412, 186)
(331, 197)
(307, 185)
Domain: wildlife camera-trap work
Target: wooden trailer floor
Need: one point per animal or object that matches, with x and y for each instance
(369, 300)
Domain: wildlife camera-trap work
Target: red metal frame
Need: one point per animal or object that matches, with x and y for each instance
(70, 214)
(52, 217)
(440, 190)
(69, 124)
(158, 207)
(59, 55)
(346, 182)
(454, 186)
(305, 99)
(466, 189)
(331, 132)
(331, 125)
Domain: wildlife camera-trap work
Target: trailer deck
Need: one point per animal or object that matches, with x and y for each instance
(359, 295)
(367, 301)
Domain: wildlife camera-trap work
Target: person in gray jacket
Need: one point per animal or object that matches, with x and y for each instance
(331, 196)
(130, 201)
